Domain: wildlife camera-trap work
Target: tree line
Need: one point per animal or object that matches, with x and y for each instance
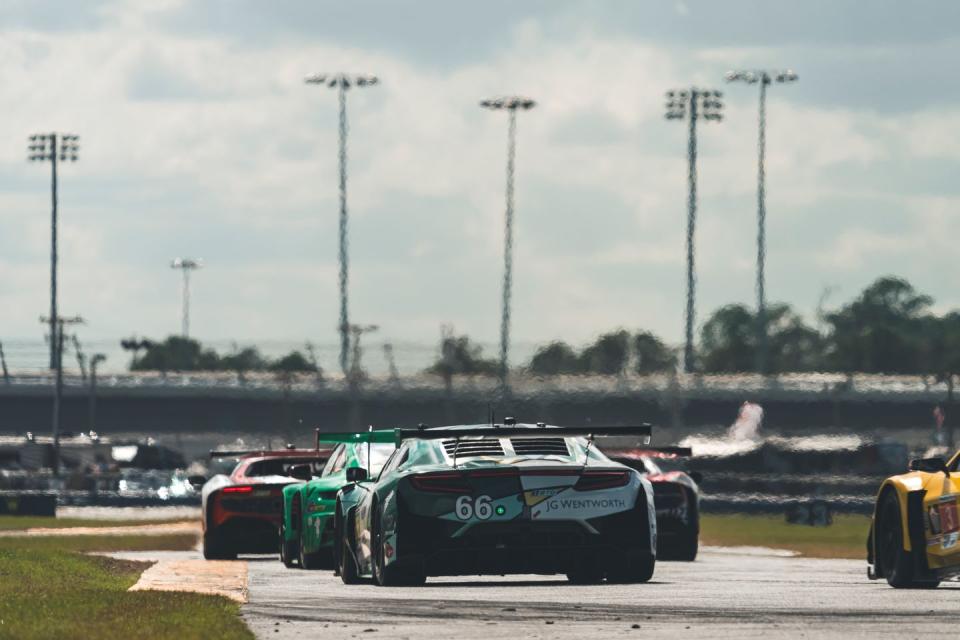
(177, 353)
(889, 327)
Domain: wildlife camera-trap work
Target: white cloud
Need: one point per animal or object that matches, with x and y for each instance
(193, 143)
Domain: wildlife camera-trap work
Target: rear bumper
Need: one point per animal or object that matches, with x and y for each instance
(245, 524)
(248, 535)
(523, 546)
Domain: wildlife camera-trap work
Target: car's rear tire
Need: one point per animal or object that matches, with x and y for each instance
(312, 561)
(636, 567)
(215, 548)
(586, 574)
(346, 563)
(289, 549)
(682, 548)
(896, 563)
(389, 575)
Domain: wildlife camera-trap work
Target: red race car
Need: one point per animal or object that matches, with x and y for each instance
(676, 498)
(242, 510)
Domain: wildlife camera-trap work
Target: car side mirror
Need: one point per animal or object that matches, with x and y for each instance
(356, 474)
(696, 476)
(300, 472)
(929, 465)
(196, 482)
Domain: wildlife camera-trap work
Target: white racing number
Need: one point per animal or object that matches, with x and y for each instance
(467, 507)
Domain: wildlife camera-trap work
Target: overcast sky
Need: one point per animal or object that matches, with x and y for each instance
(199, 138)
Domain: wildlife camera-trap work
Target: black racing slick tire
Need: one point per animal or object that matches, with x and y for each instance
(389, 575)
(345, 565)
(585, 575)
(215, 548)
(683, 548)
(312, 561)
(897, 564)
(637, 567)
(289, 550)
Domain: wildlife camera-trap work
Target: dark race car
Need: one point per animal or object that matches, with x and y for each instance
(498, 499)
(242, 510)
(676, 497)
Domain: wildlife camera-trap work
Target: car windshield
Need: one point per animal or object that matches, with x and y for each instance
(578, 447)
(379, 453)
(278, 466)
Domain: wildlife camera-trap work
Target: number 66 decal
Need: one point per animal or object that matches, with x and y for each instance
(467, 507)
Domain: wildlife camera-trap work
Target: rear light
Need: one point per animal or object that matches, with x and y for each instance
(440, 483)
(594, 480)
(238, 489)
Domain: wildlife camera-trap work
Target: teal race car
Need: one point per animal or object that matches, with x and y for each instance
(306, 525)
(497, 499)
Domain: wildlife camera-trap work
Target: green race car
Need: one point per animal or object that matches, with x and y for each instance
(306, 525)
(497, 499)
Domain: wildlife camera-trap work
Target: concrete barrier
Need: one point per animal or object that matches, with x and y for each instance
(28, 504)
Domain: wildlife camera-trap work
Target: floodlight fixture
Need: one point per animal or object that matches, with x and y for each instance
(186, 265)
(763, 77)
(53, 147)
(510, 104)
(342, 82)
(692, 104)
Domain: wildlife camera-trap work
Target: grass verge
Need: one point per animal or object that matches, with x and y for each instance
(48, 590)
(845, 538)
(86, 544)
(15, 523)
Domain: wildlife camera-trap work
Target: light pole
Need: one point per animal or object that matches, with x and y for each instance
(764, 78)
(53, 147)
(692, 104)
(511, 104)
(59, 323)
(186, 265)
(342, 82)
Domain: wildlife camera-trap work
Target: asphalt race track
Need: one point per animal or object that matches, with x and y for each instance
(726, 595)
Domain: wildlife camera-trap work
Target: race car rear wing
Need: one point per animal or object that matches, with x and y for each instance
(236, 454)
(423, 433)
(385, 436)
(243, 453)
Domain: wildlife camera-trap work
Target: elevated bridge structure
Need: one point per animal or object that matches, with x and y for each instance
(155, 403)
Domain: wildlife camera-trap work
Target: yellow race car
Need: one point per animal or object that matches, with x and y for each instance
(914, 532)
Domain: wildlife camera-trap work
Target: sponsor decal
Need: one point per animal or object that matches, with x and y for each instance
(534, 497)
(314, 508)
(950, 540)
(581, 504)
(948, 517)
